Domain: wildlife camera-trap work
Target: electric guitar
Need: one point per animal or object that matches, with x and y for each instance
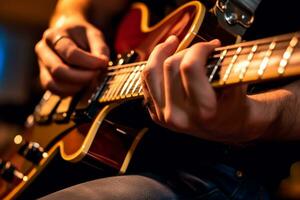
(86, 128)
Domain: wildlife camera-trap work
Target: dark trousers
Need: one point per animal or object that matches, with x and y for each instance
(212, 183)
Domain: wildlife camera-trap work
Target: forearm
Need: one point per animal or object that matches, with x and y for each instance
(275, 115)
(70, 8)
(99, 10)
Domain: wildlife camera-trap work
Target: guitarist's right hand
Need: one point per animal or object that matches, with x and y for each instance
(70, 54)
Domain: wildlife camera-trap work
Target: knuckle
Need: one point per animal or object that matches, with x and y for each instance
(207, 114)
(48, 84)
(146, 72)
(159, 47)
(187, 66)
(168, 64)
(38, 47)
(48, 34)
(70, 53)
(97, 33)
(170, 118)
(55, 71)
(176, 119)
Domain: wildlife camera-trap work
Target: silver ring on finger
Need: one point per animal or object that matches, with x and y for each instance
(59, 38)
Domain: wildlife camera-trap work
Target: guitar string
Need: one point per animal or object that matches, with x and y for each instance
(279, 39)
(234, 80)
(227, 58)
(247, 50)
(249, 70)
(252, 71)
(113, 72)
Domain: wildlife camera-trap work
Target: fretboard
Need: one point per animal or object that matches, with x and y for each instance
(123, 82)
(255, 61)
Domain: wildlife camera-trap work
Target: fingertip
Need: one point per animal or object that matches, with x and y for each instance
(215, 42)
(172, 39)
(96, 62)
(103, 54)
(104, 60)
(104, 57)
(99, 64)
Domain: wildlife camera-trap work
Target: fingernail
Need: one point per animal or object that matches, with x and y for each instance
(171, 38)
(215, 42)
(103, 57)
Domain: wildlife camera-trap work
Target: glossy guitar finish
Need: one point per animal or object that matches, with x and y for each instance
(100, 140)
(93, 128)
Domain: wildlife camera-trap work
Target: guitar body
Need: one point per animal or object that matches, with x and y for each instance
(99, 128)
(108, 137)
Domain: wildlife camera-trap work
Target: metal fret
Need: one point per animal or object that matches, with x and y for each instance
(125, 82)
(107, 89)
(115, 83)
(247, 63)
(111, 87)
(122, 80)
(129, 79)
(287, 54)
(230, 66)
(140, 90)
(135, 76)
(137, 87)
(266, 59)
(216, 67)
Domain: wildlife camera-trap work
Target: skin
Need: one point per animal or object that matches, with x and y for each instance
(73, 51)
(182, 99)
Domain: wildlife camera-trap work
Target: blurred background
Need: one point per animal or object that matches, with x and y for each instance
(22, 23)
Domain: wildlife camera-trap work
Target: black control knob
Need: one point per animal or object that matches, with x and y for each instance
(33, 152)
(9, 172)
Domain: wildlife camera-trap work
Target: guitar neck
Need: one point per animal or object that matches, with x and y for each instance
(123, 82)
(255, 61)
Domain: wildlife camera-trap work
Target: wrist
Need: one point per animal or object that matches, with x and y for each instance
(265, 113)
(258, 119)
(58, 21)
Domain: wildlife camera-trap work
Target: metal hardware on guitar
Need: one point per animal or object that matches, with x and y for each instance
(9, 173)
(33, 152)
(235, 16)
(87, 106)
(46, 107)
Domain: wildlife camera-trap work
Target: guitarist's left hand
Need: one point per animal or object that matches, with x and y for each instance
(184, 101)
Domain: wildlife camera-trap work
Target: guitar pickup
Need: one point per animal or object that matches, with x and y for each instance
(63, 110)
(45, 109)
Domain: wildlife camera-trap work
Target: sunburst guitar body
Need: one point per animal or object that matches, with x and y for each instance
(83, 128)
(103, 125)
